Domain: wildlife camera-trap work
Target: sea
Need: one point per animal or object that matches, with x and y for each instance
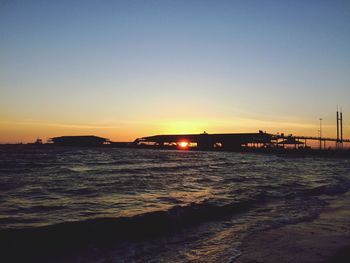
(70, 204)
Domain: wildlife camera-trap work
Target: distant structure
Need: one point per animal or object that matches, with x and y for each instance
(290, 141)
(205, 141)
(339, 143)
(38, 141)
(231, 141)
(87, 140)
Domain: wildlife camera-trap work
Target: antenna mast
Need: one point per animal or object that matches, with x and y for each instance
(337, 127)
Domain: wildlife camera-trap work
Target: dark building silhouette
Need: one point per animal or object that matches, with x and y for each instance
(209, 141)
(291, 142)
(88, 140)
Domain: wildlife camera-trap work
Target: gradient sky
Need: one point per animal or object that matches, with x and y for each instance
(126, 69)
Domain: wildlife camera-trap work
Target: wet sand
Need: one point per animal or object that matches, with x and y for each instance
(326, 239)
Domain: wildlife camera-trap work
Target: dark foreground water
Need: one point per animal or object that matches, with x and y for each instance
(125, 205)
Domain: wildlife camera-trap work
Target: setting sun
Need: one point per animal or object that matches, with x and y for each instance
(183, 144)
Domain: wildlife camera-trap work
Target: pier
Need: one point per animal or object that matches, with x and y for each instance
(234, 141)
(244, 141)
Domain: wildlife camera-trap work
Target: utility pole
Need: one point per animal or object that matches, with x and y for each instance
(337, 142)
(341, 127)
(320, 133)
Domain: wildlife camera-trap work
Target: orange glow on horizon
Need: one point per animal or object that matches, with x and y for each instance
(17, 130)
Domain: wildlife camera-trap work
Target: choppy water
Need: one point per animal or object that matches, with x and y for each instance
(171, 206)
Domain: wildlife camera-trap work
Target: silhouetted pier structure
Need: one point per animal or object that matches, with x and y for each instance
(206, 141)
(85, 140)
(231, 141)
(312, 138)
(239, 141)
(260, 142)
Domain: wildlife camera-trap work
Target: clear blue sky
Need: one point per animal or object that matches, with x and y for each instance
(125, 69)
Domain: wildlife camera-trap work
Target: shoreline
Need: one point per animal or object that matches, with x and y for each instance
(323, 240)
(309, 152)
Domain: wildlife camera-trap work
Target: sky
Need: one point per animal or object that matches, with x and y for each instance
(127, 69)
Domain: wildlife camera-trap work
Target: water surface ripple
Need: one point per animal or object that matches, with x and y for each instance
(207, 200)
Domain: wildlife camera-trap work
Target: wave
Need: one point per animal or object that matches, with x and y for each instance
(331, 189)
(145, 224)
(341, 186)
(143, 169)
(69, 235)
